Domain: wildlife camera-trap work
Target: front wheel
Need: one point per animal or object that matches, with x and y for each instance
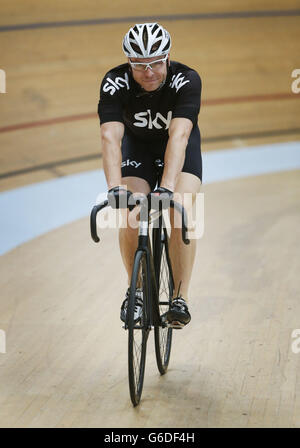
(137, 330)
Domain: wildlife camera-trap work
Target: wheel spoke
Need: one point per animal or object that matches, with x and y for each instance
(163, 335)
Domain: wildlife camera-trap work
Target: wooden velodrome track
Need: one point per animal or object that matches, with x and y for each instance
(65, 363)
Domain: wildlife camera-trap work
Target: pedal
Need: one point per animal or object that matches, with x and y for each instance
(164, 318)
(176, 325)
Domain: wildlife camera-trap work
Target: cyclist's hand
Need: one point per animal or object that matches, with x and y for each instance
(118, 197)
(160, 198)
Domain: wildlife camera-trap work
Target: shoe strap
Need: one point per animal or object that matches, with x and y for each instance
(139, 299)
(180, 302)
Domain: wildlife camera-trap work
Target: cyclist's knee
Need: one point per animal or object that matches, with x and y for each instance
(187, 184)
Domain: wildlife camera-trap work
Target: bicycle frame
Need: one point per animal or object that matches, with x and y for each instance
(152, 269)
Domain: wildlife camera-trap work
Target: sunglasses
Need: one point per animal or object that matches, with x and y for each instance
(153, 65)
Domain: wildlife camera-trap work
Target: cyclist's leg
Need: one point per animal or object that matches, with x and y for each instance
(182, 255)
(128, 236)
(189, 181)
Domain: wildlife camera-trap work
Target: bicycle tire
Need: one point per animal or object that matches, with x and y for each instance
(165, 286)
(138, 332)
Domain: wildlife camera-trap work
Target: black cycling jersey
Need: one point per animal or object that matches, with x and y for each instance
(148, 114)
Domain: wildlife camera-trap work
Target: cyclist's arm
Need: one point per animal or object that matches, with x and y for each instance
(179, 132)
(111, 137)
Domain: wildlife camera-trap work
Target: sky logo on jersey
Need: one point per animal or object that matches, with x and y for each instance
(178, 82)
(132, 163)
(118, 83)
(144, 119)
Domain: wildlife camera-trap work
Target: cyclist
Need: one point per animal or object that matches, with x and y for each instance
(148, 109)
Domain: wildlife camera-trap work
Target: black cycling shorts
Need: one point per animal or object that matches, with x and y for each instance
(138, 156)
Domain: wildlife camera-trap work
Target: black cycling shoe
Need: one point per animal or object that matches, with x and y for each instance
(138, 309)
(178, 315)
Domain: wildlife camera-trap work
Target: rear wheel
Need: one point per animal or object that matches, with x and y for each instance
(165, 285)
(137, 331)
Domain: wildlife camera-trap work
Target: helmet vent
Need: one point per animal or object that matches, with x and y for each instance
(155, 47)
(167, 46)
(136, 48)
(145, 37)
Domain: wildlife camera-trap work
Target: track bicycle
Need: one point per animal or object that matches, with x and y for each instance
(152, 276)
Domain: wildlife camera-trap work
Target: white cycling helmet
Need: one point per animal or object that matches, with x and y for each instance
(146, 40)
